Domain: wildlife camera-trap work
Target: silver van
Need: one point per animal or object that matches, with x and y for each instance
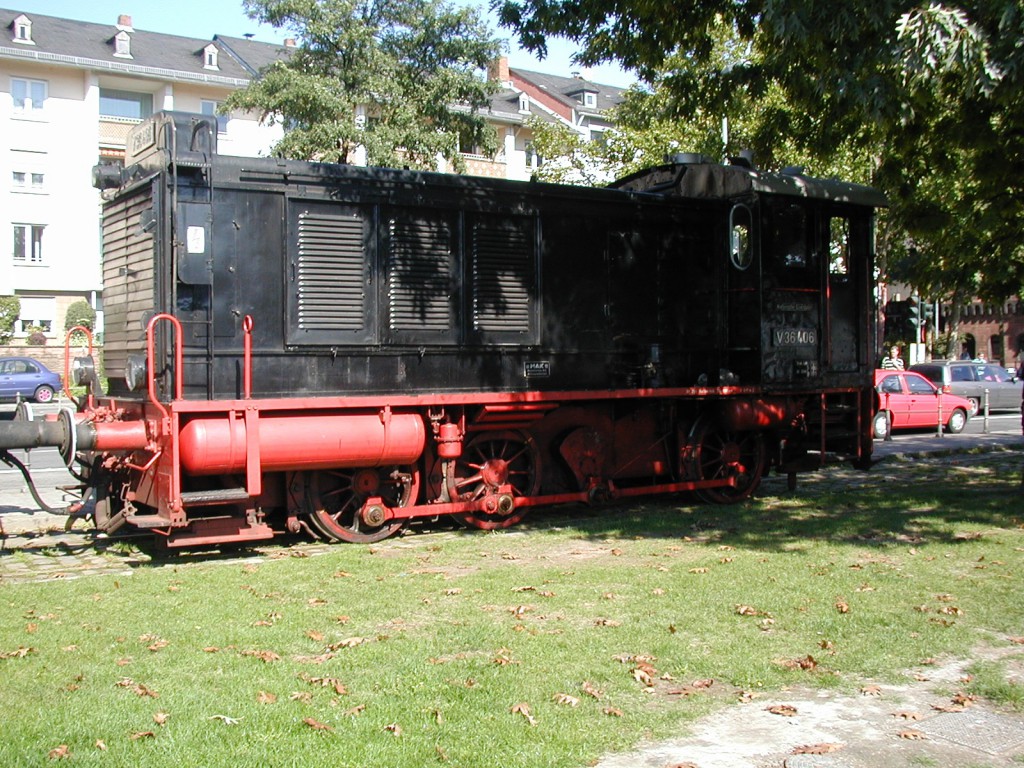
(971, 379)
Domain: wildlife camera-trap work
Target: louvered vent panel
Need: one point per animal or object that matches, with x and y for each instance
(502, 277)
(419, 275)
(330, 273)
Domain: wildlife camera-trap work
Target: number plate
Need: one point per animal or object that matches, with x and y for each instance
(795, 337)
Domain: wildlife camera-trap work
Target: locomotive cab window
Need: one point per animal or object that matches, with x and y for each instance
(839, 249)
(741, 249)
(790, 236)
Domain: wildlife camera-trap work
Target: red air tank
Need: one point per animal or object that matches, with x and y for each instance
(213, 446)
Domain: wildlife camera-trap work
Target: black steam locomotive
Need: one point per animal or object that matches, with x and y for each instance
(302, 346)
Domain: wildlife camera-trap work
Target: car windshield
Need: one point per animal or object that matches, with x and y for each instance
(992, 373)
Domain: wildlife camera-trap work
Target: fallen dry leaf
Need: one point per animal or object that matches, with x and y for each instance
(612, 712)
(964, 699)
(264, 656)
(326, 682)
(822, 748)
(137, 688)
(316, 725)
(807, 663)
(356, 710)
(142, 735)
(591, 690)
(786, 710)
(21, 653)
(265, 698)
(912, 735)
(871, 690)
(394, 729)
(348, 642)
(522, 708)
(63, 752)
(226, 719)
(161, 718)
(101, 745)
(842, 606)
(904, 714)
(566, 699)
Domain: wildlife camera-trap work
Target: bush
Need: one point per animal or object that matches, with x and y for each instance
(80, 313)
(10, 309)
(36, 337)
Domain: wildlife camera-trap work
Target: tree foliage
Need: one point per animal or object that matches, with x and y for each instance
(80, 313)
(10, 310)
(927, 97)
(398, 79)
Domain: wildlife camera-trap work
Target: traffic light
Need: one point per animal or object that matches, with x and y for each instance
(914, 313)
(896, 321)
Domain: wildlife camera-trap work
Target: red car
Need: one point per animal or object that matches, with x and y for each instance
(907, 400)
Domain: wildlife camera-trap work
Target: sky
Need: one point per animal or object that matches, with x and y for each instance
(203, 19)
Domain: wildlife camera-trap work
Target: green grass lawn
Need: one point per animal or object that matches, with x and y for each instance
(545, 645)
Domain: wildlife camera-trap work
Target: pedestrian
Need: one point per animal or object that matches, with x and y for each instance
(893, 361)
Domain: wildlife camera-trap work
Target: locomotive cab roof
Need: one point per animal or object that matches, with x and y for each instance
(697, 176)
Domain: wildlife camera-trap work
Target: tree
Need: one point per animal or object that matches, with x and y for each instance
(10, 310)
(399, 80)
(930, 95)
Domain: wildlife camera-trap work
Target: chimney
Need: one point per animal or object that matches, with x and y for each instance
(289, 42)
(498, 70)
(124, 21)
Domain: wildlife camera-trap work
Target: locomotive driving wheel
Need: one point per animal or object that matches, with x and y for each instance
(488, 462)
(335, 500)
(717, 454)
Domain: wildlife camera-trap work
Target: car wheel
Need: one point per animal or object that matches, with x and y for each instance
(881, 424)
(957, 421)
(975, 405)
(44, 394)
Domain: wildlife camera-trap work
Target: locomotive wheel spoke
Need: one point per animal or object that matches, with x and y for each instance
(721, 454)
(491, 461)
(334, 499)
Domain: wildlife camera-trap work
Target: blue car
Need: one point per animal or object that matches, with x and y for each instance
(27, 379)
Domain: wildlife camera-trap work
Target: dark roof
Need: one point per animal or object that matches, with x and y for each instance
(252, 55)
(85, 44)
(567, 90)
(504, 107)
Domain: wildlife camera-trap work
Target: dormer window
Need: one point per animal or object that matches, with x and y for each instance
(590, 99)
(123, 45)
(210, 57)
(524, 103)
(23, 31)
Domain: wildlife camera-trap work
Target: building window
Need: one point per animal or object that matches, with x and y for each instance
(590, 99)
(23, 31)
(123, 45)
(23, 181)
(210, 108)
(125, 104)
(210, 57)
(37, 313)
(28, 243)
(524, 102)
(28, 96)
(533, 158)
